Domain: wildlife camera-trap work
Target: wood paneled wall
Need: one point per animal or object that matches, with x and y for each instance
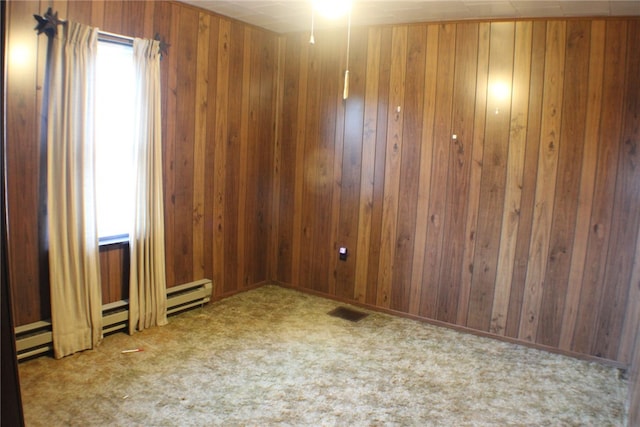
(218, 92)
(482, 174)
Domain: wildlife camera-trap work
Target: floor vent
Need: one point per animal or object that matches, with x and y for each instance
(36, 338)
(347, 314)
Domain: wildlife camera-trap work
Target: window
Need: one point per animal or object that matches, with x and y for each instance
(115, 91)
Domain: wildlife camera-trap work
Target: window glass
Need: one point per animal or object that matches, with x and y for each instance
(114, 138)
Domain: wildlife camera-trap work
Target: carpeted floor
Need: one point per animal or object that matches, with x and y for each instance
(273, 356)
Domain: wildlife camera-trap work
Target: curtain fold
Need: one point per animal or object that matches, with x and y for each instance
(147, 281)
(74, 267)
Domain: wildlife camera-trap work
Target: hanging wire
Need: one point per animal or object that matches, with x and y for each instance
(345, 93)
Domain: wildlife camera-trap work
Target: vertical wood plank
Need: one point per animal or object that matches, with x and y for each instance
(475, 173)
(311, 164)
(288, 148)
(351, 165)
(380, 161)
(267, 95)
(233, 243)
(97, 13)
(296, 246)
(392, 165)
(30, 298)
(185, 134)
(133, 16)
(113, 21)
(222, 101)
(335, 226)
(274, 232)
(323, 169)
(367, 163)
(626, 213)
(587, 178)
(605, 184)
(536, 89)
(545, 183)
(200, 107)
(567, 184)
(409, 168)
(514, 183)
(209, 160)
(167, 17)
(439, 173)
(494, 173)
(426, 150)
(631, 328)
(259, 176)
(80, 11)
(149, 12)
(464, 90)
(244, 143)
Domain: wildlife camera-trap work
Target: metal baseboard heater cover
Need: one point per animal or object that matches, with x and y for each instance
(36, 338)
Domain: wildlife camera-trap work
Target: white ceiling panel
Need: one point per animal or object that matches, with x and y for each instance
(295, 15)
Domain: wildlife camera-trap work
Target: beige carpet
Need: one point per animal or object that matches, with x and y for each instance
(273, 356)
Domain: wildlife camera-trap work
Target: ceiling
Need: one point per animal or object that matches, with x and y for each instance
(295, 15)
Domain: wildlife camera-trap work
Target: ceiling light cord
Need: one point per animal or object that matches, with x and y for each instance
(345, 93)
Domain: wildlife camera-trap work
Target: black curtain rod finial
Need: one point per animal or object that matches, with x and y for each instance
(164, 46)
(48, 23)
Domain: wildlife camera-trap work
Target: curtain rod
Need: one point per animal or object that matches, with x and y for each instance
(48, 24)
(115, 38)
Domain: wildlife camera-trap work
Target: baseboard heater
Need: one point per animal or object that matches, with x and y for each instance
(36, 338)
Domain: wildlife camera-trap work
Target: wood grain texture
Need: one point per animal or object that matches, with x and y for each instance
(546, 180)
(200, 137)
(350, 166)
(604, 191)
(424, 178)
(526, 226)
(494, 175)
(384, 76)
(567, 185)
(626, 210)
(460, 151)
(368, 164)
(114, 272)
(631, 326)
(439, 170)
(530, 172)
(508, 228)
(475, 173)
(410, 168)
(191, 106)
(392, 166)
(514, 178)
(587, 183)
(23, 161)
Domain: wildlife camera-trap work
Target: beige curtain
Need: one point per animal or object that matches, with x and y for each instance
(76, 302)
(147, 291)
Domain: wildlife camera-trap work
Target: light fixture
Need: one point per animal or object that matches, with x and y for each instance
(500, 94)
(332, 9)
(500, 91)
